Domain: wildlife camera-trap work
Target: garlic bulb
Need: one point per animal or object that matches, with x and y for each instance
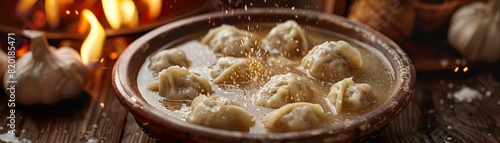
(474, 31)
(46, 75)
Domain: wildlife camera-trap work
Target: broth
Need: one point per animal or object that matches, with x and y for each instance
(374, 72)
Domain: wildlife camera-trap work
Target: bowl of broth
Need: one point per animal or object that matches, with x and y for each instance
(263, 75)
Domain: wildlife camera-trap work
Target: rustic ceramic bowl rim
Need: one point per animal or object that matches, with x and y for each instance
(379, 117)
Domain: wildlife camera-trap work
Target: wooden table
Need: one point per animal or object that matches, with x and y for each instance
(434, 116)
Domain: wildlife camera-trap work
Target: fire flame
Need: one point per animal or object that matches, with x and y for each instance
(52, 13)
(92, 46)
(23, 6)
(152, 8)
(112, 13)
(130, 17)
(120, 13)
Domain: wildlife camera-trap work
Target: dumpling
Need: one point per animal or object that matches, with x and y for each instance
(166, 58)
(219, 112)
(281, 65)
(287, 39)
(295, 117)
(235, 70)
(332, 61)
(230, 41)
(283, 89)
(347, 95)
(178, 83)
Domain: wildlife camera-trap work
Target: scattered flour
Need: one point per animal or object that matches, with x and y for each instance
(9, 138)
(92, 140)
(466, 94)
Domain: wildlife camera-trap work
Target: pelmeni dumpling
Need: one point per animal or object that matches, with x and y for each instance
(219, 112)
(332, 61)
(230, 41)
(178, 83)
(295, 117)
(235, 70)
(283, 89)
(347, 95)
(166, 58)
(287, 39)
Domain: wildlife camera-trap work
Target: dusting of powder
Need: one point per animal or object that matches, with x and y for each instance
(466, 94)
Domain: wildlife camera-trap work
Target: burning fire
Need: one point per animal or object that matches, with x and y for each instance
(23, 6)
(152, 8)
(52, 14)
(92, 46)
(120, 13)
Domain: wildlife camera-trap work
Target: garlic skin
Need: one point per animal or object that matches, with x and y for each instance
(46, 75)
(474, 31)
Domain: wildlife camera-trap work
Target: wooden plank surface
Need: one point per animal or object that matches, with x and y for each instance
(132, 133)
(438, 116)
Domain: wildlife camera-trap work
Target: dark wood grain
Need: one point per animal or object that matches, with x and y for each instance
(438, 117)
(133, 133)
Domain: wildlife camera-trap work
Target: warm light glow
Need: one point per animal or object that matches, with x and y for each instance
(23, 6)
(130, 17)
(151, 7)
(466, 69)
(102, 105)
(24, 48)
(68, 12)
(456, 69)
(120, 13)
(52, 13)
(112, 13)
(113, 56)
(92, 46)
(88, 3)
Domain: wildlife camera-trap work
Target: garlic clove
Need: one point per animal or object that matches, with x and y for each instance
(47, 75)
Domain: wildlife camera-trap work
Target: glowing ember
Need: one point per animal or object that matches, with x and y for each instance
(23, 6)
(92, 46)
(24, 48)
(52, 13)
(113, 56)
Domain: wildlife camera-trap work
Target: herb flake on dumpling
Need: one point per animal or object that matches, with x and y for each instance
(350, 96)
(287, 39)
(219, 112)
(295, 117)
(230, 70)
(166, 58)
(178, 83)
(231, 41)
(283, 89)
(332, 61)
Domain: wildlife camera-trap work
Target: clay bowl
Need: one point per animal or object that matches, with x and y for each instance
(163, 127)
